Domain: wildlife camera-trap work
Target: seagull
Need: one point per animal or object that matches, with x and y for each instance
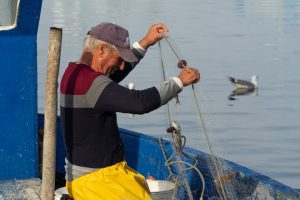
(131, 86)
(245, 84)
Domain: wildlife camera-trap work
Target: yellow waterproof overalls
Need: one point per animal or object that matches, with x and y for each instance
(116, 182)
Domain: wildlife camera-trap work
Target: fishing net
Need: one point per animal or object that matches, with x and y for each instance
(209, 175)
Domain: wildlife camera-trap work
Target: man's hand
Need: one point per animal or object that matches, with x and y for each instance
(155, 33)
(189, 76)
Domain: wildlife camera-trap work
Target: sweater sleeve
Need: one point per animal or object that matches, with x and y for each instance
(106, 95)
(116, 98)
(169, 89)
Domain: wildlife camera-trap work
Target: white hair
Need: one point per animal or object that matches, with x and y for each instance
(90, 43)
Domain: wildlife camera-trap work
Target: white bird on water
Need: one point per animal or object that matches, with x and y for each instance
(245, 84)
(131, 86)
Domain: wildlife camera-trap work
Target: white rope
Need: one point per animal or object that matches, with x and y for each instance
(178, 153)
(202, 121)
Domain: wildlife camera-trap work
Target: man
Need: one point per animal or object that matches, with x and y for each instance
(91, 96)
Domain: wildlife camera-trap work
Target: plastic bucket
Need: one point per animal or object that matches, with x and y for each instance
(59, 192)
(161, 190)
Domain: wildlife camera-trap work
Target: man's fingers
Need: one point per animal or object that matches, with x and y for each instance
(161, 28)
(197, 76)
(194, 74)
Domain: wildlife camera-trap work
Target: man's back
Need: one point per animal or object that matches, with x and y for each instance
(91, 138)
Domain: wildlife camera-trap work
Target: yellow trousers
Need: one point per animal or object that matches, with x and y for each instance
(117, 182)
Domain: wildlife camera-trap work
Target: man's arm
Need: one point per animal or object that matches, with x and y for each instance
(155, 33)
(119, 75)
(107, 96)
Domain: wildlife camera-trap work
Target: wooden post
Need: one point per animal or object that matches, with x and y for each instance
(49, 144)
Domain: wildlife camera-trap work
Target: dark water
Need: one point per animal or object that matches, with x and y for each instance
(221, 38)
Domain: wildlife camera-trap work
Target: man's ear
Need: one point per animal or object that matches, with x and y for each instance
(101, 49)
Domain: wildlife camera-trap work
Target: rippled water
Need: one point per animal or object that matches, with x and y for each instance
(222, 38)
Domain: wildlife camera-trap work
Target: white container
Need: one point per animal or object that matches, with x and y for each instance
(160, 189)
(59, 192)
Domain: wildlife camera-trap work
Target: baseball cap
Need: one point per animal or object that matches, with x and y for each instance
(115, 35)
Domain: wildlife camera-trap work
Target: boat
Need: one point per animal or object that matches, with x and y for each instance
(145, 154)
(21, 131)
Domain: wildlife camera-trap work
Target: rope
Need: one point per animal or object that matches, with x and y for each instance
(196, 99)
(196, 169)
(165, 157)
(214, 158)
(164, 78)
(168, 163)
(179, 152)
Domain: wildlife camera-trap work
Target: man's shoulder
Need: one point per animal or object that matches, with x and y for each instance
(78, 78)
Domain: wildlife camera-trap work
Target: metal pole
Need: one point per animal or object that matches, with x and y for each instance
(49, 145)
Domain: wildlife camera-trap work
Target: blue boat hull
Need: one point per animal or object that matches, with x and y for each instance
(145, 154)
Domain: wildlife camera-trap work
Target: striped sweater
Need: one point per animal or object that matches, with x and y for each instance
(89, 101)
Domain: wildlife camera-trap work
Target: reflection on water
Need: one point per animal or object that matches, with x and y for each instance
(242, 92)
(235, 37)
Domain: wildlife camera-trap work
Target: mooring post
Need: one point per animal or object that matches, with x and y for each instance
(49, 144)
